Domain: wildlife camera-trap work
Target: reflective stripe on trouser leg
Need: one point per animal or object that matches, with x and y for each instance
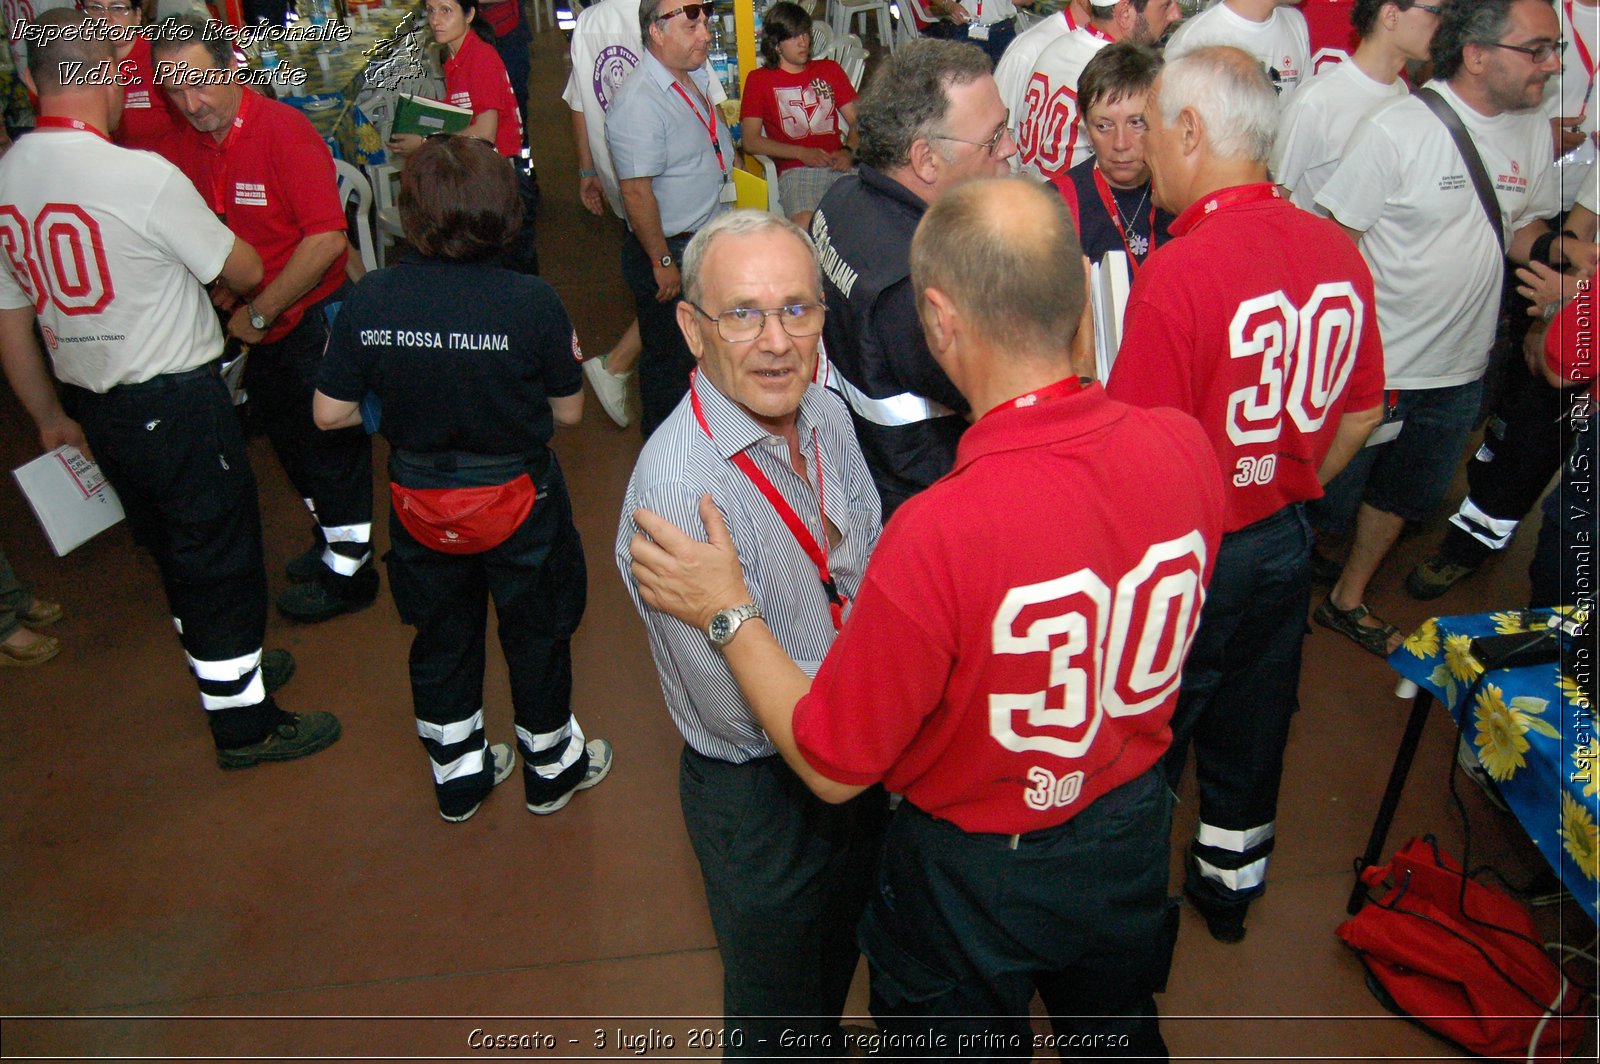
(1492, 532)
(550, 754)
(455, 748)
(1233, 860)
(231, 683)
(349, 547)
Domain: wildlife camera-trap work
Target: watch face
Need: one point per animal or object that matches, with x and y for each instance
(666, 261)
(721, 628)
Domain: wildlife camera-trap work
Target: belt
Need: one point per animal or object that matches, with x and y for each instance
(161, 381)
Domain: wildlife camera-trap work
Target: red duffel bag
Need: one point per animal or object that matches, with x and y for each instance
(1466, 966)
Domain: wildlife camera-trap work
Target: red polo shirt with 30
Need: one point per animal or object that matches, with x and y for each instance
(1015, 649)
(272, 181)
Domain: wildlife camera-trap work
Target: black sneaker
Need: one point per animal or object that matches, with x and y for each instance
(305, 566)
(277, 668)
(1435, 576)
(297, 735)
(1225, 922)
(317, 601)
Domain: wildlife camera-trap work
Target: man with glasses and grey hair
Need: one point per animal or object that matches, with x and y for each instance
(1010, 667)
(1404, 193)
(931, 120)
(786, 874)
(1257, 319)
(674, 160)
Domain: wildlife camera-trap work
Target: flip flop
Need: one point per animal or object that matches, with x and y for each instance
(1348, 623)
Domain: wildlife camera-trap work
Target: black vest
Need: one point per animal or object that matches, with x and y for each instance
(1097, 230)
(863, 231)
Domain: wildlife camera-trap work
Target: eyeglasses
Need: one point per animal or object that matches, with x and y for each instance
(1432, 9)
(1539, 53)
(691, 13)
(102, 10)
(745, 323)
(989, 145)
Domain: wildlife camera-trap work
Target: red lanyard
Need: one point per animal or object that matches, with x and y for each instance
(1066, 13)
(1059, 390)
(1584, 57)
(63, 122)
(1104, 188)
(711, 124)
(797, 527)
(1093, 31)
(1236, 196)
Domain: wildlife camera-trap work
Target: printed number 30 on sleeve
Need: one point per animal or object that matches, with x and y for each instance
(1117, 654)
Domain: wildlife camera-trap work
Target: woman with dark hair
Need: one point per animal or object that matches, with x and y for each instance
(791, 110)
(475, 78)
(471, 390)
(1109, 192)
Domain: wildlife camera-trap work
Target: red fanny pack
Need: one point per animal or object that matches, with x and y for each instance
(464, 520)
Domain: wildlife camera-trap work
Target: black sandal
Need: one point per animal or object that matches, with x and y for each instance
(1348, 623)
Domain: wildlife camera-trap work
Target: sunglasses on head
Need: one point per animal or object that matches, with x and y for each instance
(690, 12)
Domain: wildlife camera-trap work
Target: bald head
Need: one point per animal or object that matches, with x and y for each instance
(1006, 254)
(62, 44)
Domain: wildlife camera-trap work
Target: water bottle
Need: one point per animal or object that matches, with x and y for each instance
(718, 54)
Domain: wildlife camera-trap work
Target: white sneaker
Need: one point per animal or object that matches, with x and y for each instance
(599, 768)
(610, 388)
(504, 759)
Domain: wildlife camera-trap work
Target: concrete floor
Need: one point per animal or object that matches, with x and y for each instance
(154, 906)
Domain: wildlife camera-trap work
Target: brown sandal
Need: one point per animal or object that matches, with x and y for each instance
(41, 613)
(1348, 623)
(38, 652)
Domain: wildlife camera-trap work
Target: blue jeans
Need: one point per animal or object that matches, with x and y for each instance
(1239, 693)
(1409, 475)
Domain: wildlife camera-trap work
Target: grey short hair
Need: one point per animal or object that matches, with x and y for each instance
(178, 31)
(1235, 100)
(907, 99)
(739, 223)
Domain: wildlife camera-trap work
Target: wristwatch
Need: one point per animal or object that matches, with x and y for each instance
(256, 320)
(666, 261)
(724, 623)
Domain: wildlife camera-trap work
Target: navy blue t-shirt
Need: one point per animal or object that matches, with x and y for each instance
(465, 356)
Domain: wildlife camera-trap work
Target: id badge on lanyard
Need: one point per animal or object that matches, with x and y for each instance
(976, 30)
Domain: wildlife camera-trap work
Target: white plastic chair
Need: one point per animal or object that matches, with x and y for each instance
(821, 39)
(842, 13)
(387, 213)
(355, 190)
(850, 53)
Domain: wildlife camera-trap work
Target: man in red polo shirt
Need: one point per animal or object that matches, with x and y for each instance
(1258, 320)
(1009, 664)
(265, 171)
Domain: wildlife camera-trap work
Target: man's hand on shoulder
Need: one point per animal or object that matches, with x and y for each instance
(679, 575)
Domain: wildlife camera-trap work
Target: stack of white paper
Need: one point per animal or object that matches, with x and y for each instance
(1108, 298)
(70, 496)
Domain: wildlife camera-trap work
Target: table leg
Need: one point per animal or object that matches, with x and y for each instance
(1391, 796)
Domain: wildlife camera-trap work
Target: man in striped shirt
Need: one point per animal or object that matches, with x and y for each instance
(786, 874)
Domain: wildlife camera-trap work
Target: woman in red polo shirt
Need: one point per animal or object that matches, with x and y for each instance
(147, 117)
(475, 78)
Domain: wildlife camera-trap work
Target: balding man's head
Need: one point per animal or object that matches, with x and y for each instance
(52, 61)
(1006, 254)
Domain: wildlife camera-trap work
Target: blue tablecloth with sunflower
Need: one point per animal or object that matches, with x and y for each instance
(1532, 729)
